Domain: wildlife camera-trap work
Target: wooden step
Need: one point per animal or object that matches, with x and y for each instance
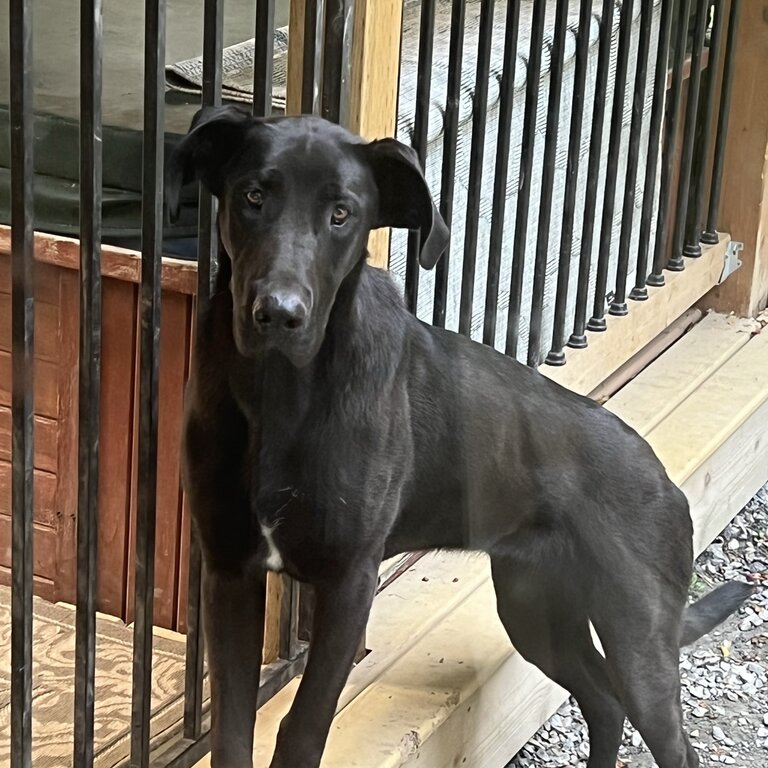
(443, 687)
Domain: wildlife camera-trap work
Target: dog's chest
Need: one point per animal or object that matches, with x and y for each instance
(320, 470)
(303, 533)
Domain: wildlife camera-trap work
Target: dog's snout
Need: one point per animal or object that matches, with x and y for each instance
(279, 310)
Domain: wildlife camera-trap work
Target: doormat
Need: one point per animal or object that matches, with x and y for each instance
(53, 692)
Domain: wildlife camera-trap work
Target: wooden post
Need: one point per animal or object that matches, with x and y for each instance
(373, 91)
(744, 201)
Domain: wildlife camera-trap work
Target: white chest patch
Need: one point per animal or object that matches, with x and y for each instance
(274, 561)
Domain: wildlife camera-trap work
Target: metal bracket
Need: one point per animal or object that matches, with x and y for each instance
(732, 261)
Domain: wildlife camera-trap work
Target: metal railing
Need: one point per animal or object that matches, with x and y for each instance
(640, 65)
(325, 90)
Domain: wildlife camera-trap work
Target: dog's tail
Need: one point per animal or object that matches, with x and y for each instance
(705, 614)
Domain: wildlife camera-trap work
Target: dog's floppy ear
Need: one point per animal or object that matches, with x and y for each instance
(215, 134)
(404, 197)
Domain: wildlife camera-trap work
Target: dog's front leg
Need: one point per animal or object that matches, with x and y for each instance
(341, 612)
(233, 612)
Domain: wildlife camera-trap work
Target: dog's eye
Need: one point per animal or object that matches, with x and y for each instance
(255, 198)
(339, 216)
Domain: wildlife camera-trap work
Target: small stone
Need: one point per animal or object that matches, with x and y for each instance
(637, 739)
(717, 733)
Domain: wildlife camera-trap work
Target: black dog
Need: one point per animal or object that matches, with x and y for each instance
(326, 428)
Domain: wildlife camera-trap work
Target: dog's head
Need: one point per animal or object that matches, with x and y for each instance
(297, 199)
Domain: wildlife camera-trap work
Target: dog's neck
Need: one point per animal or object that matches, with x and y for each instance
(356, 363)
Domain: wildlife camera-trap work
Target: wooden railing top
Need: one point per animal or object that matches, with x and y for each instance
(178, 275)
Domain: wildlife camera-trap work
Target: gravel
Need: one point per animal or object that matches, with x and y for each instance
(724, 675)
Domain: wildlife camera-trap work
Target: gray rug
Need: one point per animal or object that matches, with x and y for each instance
(237, 72)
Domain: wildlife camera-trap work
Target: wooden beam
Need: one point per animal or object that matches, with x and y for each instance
(624, 336)
(375, 75)
(375, 67)
(295, 57)
(744, 202)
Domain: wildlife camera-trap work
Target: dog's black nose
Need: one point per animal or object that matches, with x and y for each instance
(279, 311)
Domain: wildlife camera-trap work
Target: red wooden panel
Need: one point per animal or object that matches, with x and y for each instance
(42, 587)
(45, 440)
(46, 280)
(174, 345)
(46, 385)
(44, 555)
(117, 404)
(45, 495)
(46, 328)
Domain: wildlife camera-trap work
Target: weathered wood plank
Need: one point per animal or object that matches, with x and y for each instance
(660, 388)
(699, 426)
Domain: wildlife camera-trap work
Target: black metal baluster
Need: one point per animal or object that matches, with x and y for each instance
(675, 262)
(578, 338)
(674, 99)
(207, 254)
(22, 373)
(151, 255)
(336, 60)
(263, 59)
(597, 321)
(310, 57)
(556, 355)
(450, 140)
(709, 236)
(640, 292)
(692, 247)
(499, 205)
(419, 141)
(547, 182)
(476, 154)
(89, 366)
(619, 303)
(533, 77)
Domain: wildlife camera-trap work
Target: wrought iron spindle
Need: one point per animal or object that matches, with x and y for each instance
(578, 338)
(533, 78)
(556, 355)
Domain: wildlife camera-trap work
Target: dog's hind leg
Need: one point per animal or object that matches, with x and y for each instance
(542, 611)
(641, 641)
